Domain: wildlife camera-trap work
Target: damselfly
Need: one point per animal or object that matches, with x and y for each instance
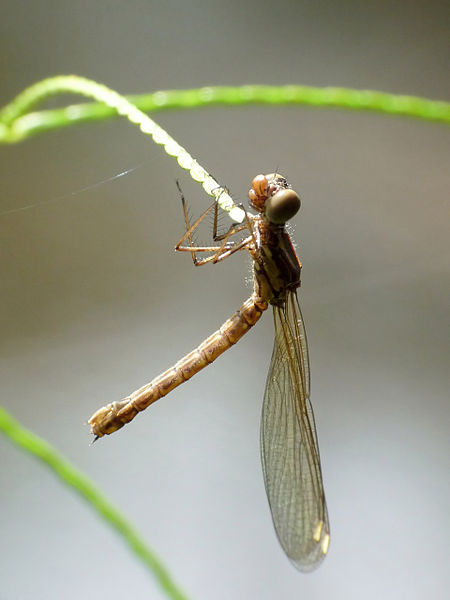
(289, 447)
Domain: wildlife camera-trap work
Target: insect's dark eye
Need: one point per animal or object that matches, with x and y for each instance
(282, 206)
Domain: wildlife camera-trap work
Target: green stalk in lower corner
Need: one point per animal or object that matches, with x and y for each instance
(73, 478)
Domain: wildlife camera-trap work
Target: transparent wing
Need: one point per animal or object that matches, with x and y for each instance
(289, 448)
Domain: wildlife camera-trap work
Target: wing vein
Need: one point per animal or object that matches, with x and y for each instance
(289, 448)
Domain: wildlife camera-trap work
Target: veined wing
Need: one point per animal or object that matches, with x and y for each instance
(289, 448)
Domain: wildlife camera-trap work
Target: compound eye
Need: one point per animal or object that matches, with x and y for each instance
(282, 206)
(259, 185)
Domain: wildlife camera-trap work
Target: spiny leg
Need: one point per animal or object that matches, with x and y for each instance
(219, 252)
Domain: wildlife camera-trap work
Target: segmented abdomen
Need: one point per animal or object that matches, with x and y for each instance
(112, 417)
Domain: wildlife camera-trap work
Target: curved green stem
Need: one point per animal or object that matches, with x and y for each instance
(71, 477)
(16, 124)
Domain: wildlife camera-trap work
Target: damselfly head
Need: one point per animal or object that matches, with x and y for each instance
(282, 206)
(272, 195)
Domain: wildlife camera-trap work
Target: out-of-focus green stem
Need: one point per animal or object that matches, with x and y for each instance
(18, 123)
(73, 478)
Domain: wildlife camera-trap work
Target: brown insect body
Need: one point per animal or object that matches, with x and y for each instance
(276, 270)
(289, 446)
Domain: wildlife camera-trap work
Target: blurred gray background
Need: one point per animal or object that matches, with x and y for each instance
(95, 302)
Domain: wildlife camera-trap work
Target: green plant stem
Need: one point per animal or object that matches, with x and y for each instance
(73, 478)
(17, 123)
